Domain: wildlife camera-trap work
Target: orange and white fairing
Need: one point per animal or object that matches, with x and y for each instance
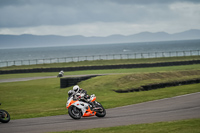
(85, 107)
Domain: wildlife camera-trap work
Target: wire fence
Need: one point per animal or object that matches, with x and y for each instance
(100, 57)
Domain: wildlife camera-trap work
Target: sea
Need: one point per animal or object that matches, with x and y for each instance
(14, 54)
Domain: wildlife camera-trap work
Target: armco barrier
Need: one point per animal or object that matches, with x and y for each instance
(36, 70)
(70, 81)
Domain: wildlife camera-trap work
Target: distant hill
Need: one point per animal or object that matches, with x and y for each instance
(27, 40)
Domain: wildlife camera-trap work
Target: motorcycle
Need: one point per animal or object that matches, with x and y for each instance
(77, 108)
(60, 75)
(4, 116)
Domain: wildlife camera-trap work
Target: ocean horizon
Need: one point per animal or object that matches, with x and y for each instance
(12, 54)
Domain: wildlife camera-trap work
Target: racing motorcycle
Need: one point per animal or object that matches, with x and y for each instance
(77, 108)
(4, 116)
(61, 74)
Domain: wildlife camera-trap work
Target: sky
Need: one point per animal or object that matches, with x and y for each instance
(97, 17)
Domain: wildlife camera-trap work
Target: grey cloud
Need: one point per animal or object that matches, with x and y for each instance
(147, 2)
(24, 13)
(81, 2)
(44, 2)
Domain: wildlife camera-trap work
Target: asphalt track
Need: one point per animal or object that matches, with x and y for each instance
(34, 78)
(168, 109)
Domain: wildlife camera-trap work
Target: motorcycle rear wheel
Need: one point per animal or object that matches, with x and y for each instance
(4, 116)
(74, 112)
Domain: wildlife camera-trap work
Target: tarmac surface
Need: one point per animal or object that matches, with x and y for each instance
(168, 109)
(45, 77)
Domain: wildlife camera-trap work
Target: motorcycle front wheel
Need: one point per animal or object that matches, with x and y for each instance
(74, 112)
(4, 116)
(101, 112)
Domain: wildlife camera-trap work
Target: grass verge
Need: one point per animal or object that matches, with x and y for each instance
(136, 81)
(182, 126)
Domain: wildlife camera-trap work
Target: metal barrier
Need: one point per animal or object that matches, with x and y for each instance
(100, 57)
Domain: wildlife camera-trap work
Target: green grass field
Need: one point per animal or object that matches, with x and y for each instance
(183, 126)
(43, 97)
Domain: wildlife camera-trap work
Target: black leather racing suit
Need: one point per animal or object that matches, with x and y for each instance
(85, 97)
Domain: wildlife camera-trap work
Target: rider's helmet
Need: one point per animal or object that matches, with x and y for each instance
(76, 88)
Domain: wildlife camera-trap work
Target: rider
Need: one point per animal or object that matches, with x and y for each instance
(84, 97)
